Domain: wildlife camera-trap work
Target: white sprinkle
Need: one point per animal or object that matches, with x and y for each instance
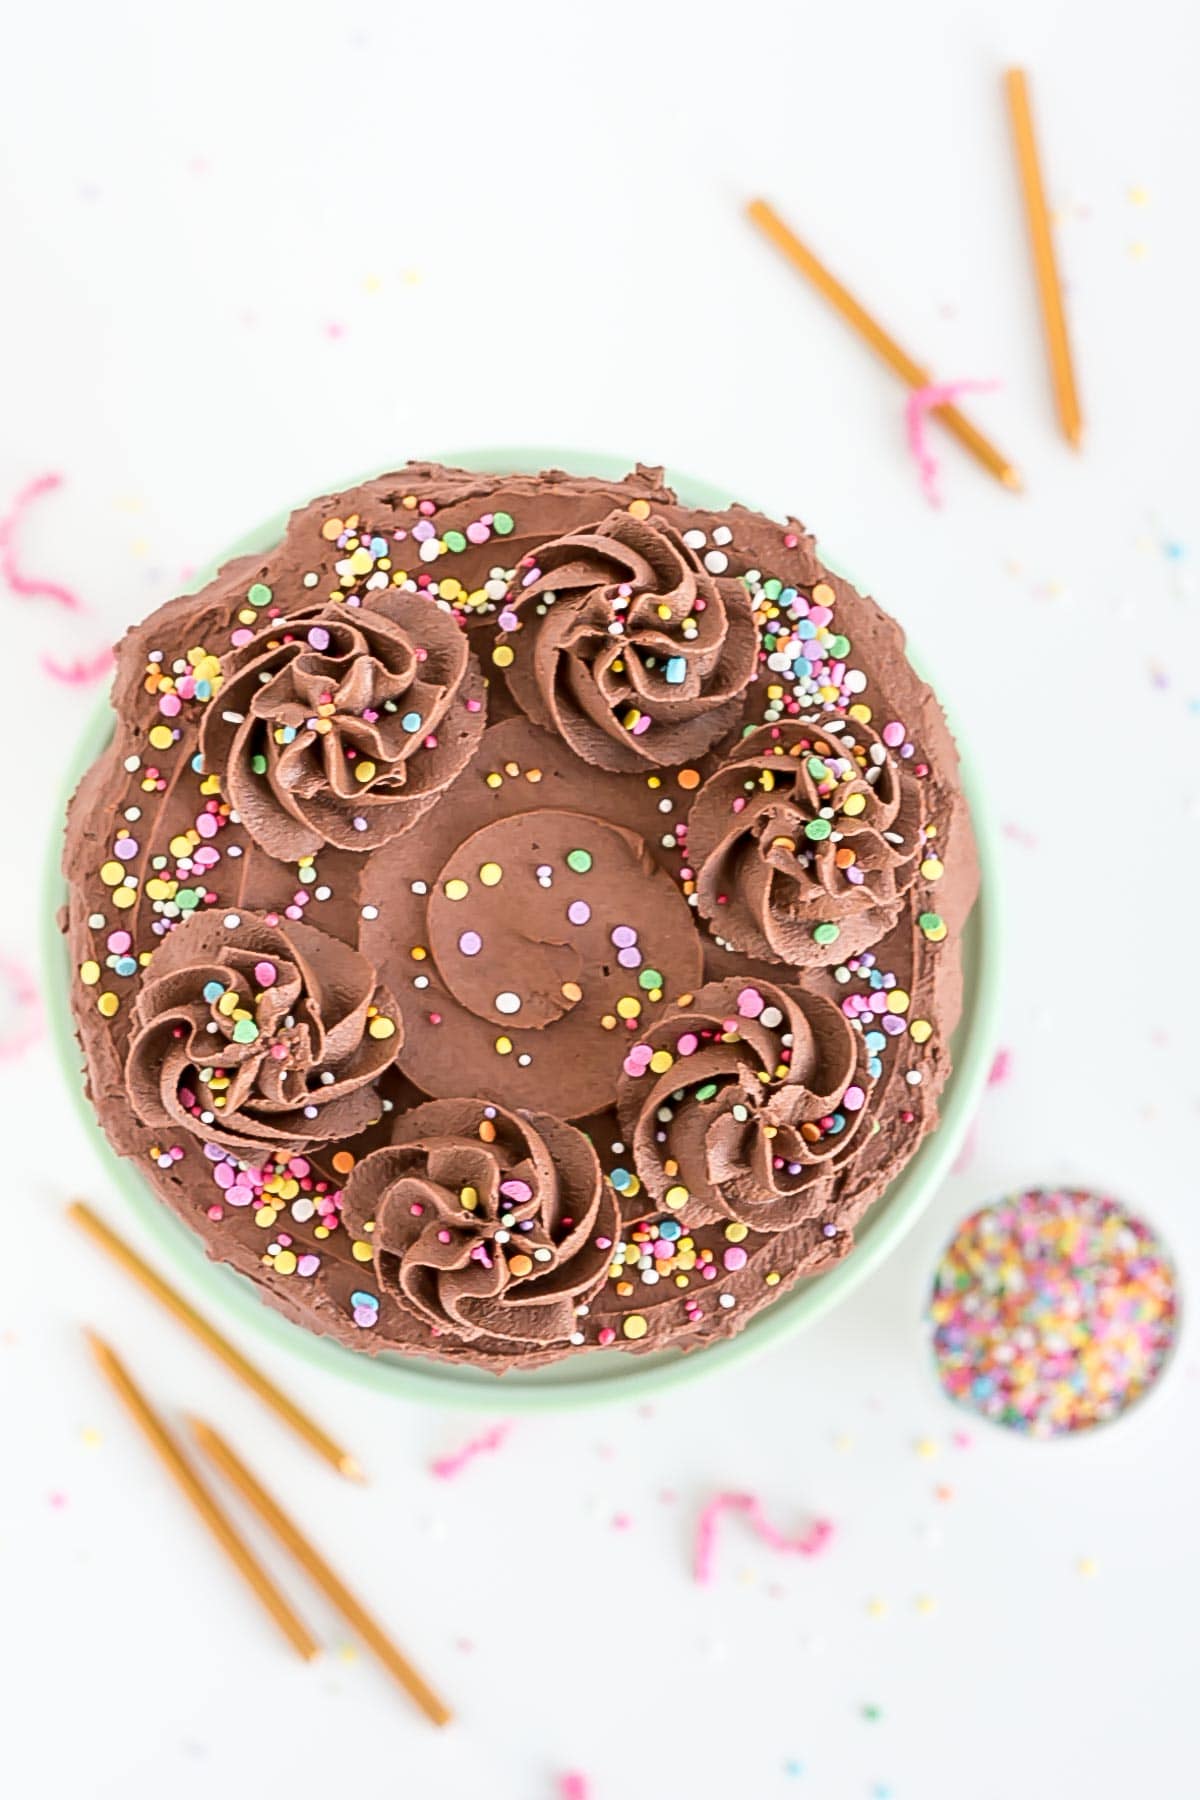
(508, 1003)
(234, 718)
(310, 580)
(722, 535)
(323, 893)
(132, 763)
(420, 981)
(695, 540)
(231, 921)
(770, 1016)
(133, 813)
(727, 1300)
(420, 887)
(370, 912)
(524, 1059)
(716, 562)
(913, 1078)
(576, 1337)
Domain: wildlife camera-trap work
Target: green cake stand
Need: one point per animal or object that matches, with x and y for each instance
(600, 1375)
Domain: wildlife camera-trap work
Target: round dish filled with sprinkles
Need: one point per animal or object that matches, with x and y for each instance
(1052, 1311)
(526, 924)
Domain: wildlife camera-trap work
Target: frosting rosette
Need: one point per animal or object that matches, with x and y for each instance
(806, 842)
(491, 1226)
(743, 1104)
(341, 724)
(626, 645)
(259, 1036)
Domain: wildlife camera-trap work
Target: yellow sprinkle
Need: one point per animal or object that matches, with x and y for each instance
(823, 594)
(493, 780)
(124, 897)
(572, 991)
(502, 656)
(639, 509)
(381, 1027)
(107, 1004)
(364, 770)
(897, 1001)
(418, 953)
(89, 973)
(920, 1031)
(332, 528)
(661, 1061)
(360, 1251)
(1087, 1565)
(932, 868)
(773, 1279)
(265, 1216)
(468, 1198)
(490, 874)
(854, 804)
(161, 737)
(926, 1604)
(634, 1326)
(628, 1007)
(456, 889)
(736, 1231)
(860, 713)
(877, 1609)
(285, 1262)
(361, 562)
(675, 1196)
(111, 873)
(503, 1046)
(926, 1448)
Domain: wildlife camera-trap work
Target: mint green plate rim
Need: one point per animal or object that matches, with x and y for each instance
(601, 1375)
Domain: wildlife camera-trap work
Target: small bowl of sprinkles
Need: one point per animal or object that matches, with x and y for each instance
(1052, 1311)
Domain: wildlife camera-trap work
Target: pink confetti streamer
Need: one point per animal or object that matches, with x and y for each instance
(31, 587)
(80, 673)
(921, 402)
(810, 1543)
(1001, 1068)
(447, 1467)
(574, 1786)
(23, 1014)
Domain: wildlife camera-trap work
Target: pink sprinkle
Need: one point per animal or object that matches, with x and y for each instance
(606, 1335)
(734, 1257)
(853, 1099)
(478, 533)
(446, 1468)
(1001, 1068)
(921, 402)
(810, 1543)
(750, 1003)
(264, 974)
(573, 1786)
(31, 587)
(893, 734)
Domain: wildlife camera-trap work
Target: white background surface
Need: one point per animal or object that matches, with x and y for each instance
(247, 251)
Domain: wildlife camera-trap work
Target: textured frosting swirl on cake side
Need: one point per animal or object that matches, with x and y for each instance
(520, 915)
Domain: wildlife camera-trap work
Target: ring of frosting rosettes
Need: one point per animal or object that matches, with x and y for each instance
(259, 1035)
(744, 1104)
(490, 1226)
(806, 841)
(625, 645)
(342, 723)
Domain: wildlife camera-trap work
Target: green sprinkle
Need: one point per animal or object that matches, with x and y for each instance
(187, 898)
(839, 646)
(816, 768)
(773, 588)
(502, 523)
(579, 860)
(454, 540)
(707, 1091)
(825, 934)
(245, 1031)
(930, 921)
(650, 978)
(259, 594)
(816, 829)
(259, 764)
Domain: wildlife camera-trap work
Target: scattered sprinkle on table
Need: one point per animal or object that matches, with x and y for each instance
(1052, 1311)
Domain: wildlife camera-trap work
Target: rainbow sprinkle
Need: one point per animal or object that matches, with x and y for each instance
(1052, 1311)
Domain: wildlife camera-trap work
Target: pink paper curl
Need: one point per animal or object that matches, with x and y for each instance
(447, 1467)
(31, 587)
(809, 1543)
(921, 402)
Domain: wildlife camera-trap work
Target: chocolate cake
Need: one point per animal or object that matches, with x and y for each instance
(518, 915)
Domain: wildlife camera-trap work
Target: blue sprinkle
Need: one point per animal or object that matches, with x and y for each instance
(801, 666)
(669, 1229)
(620, 1179)
(805, 628)
(411, 721)
(197, 764)
(126, 965)
(837, 1123)
(875, 1041)
(213, 991)
(676, 670)
(874, 1066)
(204, 690)
(359, 1298)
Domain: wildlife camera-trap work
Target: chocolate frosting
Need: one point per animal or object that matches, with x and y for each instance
(627, 646)
(491, 1226)
(812, 823)
(743, 1103)
(257, 1035)
(342, 723)
(591, 890)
